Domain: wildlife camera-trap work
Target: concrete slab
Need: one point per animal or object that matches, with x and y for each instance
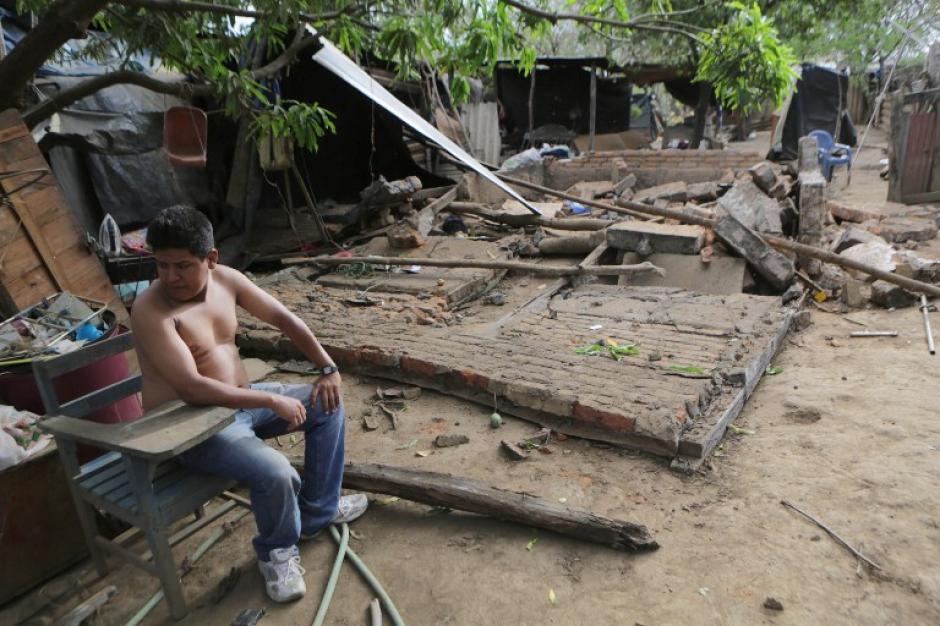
(688, 347)
(722, 275)
(670, 192)
(746, 202)
(548, 209)
(453, 284)
(773, 266)
(649, 237)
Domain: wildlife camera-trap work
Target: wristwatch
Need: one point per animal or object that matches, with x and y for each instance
(329, 369)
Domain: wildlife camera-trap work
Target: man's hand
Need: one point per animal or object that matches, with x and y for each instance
(290, 410)
(327, 389)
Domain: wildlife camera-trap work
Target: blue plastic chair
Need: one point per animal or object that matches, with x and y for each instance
(830, 152)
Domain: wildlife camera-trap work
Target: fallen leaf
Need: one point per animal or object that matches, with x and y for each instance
(529, 546)
(737, 430)
(551, 596)
(773, 370)
(387, 500)
(422, 453)
(703, 591)
(562, 500)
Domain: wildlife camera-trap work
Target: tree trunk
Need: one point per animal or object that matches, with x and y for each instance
(466, 495)
(65, 19)
(701, 113)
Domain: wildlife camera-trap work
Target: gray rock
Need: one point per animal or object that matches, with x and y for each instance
(891, 296)
(746, 202)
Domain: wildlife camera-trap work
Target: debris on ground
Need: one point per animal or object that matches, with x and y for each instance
(514, 452)
(450, 441)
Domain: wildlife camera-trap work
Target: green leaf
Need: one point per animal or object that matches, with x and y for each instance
(773, 370)
(686, 369)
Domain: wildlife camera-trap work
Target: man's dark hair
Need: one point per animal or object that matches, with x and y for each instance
(183, 228)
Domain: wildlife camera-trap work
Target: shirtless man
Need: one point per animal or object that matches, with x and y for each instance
(184, 329)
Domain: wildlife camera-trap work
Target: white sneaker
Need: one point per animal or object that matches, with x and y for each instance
(350, 508)
(283, 574)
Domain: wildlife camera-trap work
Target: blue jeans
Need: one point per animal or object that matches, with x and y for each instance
(283, 504)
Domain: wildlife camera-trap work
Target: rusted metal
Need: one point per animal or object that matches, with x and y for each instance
(918, 156)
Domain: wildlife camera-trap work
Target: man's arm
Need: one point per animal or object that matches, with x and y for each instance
(268, 309)
(168, 354)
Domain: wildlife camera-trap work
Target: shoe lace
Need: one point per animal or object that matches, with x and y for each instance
(290, 568)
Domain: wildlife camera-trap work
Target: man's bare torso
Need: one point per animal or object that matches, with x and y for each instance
(207, 327)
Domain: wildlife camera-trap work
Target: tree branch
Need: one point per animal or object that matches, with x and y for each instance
(182, 89)
(64, 20)
(183, 6)
(66, 97)
(554, 18)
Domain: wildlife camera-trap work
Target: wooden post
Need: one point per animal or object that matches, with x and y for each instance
(593, 104)
(531, 104)
(140, 475)
(898, 132)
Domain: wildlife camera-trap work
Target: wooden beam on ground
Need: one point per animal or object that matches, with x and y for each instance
(85, 610)
(529, 219)
(466, 495)
(777, 242)
(829, 257)
(517, 266)
(626, 207)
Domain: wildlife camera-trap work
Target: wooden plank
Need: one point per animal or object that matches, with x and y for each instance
(919, 153)
(159, 435)
(52, 232)
(896, 147)
(106, 396)
(55, 367)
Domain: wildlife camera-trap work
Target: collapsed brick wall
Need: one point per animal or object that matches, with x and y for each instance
(651, 167)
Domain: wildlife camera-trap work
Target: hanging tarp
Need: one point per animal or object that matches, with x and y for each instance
(820, 98)
(335, 61)
(563, 97)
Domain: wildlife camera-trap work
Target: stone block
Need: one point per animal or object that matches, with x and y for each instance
(855, 293)
(773, 266)
(926, 270)
(750, 206)
(846, 213)
(808, 155)
(721, 276)
(626, 184)
(891, 296)
(764, 176)
(901, 229)
(647, 237)
(853, 236)
(404, 237)
(703, 192)
(670, 192)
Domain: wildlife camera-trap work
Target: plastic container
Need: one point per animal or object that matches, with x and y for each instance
(18, 387)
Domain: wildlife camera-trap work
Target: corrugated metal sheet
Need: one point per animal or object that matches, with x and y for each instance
(918, 155)
(330, 57)
(482, 123)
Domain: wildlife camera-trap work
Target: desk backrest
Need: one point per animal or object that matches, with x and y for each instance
(46, 371)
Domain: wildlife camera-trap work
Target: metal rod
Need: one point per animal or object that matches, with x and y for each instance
(874, 333)
(845, 544)
(924, 308)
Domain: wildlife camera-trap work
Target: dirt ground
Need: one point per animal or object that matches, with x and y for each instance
(846, 432)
